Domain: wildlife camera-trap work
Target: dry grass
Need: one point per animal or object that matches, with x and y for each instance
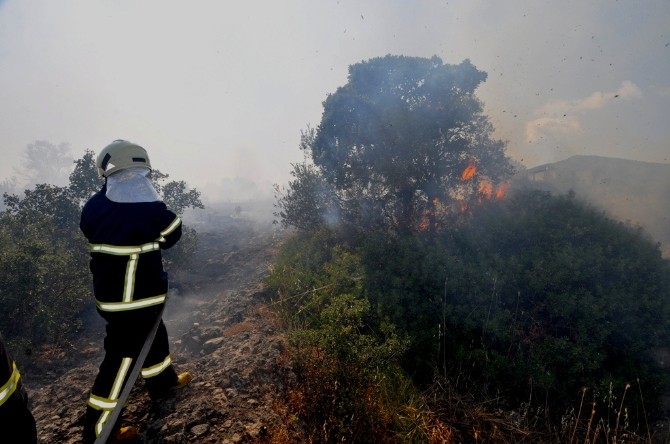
(480, 422)
(238, 328)
(442, 415)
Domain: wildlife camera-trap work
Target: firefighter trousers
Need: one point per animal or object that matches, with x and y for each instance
(126, 333)
(16, 419)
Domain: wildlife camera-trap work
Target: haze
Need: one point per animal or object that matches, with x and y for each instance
(218, 92)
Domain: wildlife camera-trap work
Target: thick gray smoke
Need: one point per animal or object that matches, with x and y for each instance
(630, 191)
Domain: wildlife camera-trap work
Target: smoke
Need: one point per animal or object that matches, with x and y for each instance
(630, 191)
(546, 127)
(44, 162)
(564, 117)
(236, 189)
(561, 127)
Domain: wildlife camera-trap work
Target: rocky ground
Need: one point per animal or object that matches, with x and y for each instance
(221, 329)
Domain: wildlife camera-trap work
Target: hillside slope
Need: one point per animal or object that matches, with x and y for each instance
(630, 191)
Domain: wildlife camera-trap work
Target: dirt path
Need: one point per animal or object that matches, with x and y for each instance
(220, 329)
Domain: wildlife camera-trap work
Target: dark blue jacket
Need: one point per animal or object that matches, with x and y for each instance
(126, 241)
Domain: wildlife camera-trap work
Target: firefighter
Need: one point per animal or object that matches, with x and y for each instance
(16, 418)
(127, 225)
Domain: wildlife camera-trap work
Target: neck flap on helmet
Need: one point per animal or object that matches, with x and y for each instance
(131, 185)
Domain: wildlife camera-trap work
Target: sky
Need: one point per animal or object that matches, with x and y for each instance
(218, 92)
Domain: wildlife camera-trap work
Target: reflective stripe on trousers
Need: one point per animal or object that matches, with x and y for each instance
(108, 404)
(157, 369)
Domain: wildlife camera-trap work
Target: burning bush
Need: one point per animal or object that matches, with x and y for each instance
(537, 296)
(530, 301)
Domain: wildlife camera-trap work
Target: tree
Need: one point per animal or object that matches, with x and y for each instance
(85, 179)
(50, 201)
(309, 201)
(394, 141)
(44, 281)
(178, 198)
(8, 186)
(45, 162)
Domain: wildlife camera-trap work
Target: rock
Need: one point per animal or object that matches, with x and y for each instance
(212, 345)
(199, 430)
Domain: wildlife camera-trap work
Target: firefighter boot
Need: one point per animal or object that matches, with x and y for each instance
(183, 379)
(125, 434)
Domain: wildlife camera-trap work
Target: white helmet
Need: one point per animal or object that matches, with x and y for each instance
(120, 155)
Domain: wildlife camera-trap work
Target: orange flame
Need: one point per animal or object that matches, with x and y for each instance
(489, 191)
(501, 191)
(438, 210)
(469, 171)
(486, 188)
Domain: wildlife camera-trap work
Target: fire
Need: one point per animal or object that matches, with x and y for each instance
(490, 191)
(435, 215)
(469, 171)
(486, 188)
(501, 191)
(437, 211)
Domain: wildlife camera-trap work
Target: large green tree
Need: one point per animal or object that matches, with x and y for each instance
(44, 279)
(394, 141)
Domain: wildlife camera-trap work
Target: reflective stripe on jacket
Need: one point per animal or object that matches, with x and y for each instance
(125, 241)
(7, 390)
(127, 302)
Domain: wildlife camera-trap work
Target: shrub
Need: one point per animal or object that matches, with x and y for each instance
(44, 282)
(526, 302)
(338, 355)
(554, 296)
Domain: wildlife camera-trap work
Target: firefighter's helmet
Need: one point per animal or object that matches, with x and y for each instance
(119, 155)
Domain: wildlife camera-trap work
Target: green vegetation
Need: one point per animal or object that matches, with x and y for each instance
(556, 295)
(342, 359)
(469, 318)
(527, 303)
(45, 283)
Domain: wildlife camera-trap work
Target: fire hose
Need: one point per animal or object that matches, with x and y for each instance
(130, 382)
